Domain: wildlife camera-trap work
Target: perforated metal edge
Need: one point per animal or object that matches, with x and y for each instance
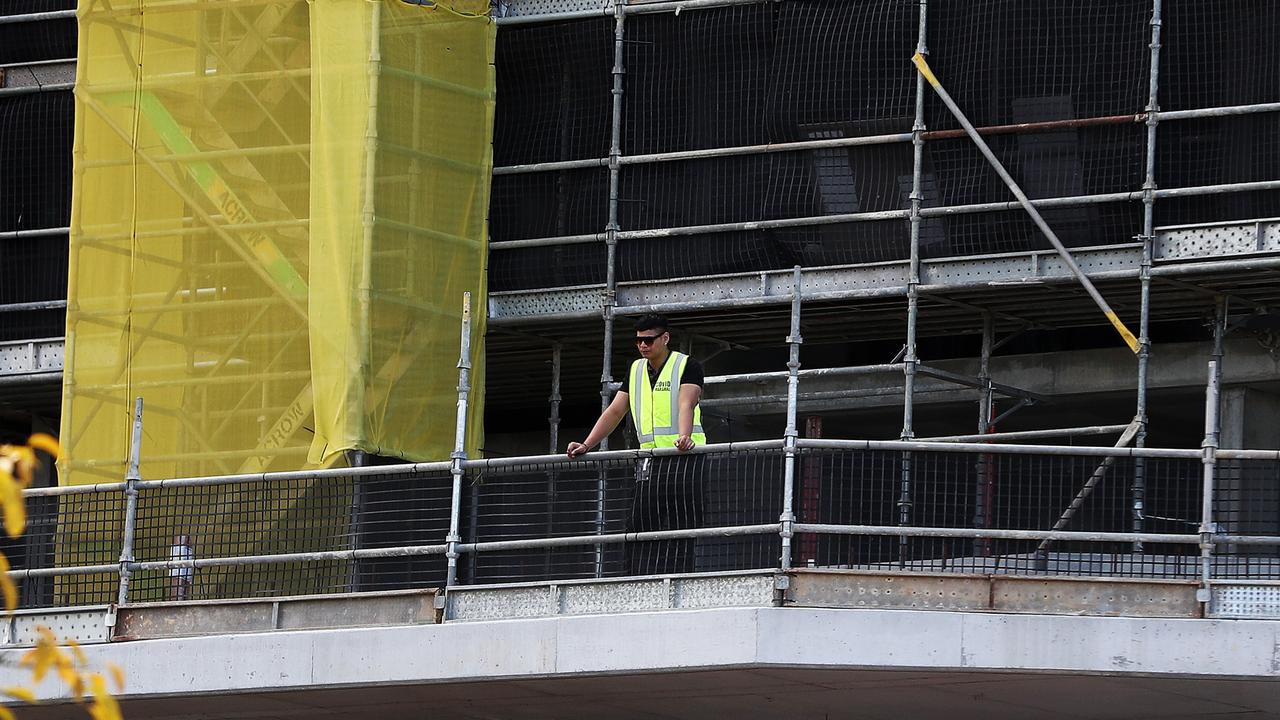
(521, 8)
(1040, 265)
(592, 597)
(1218, 240)
(1252, 601)
(85, 625)
(30, 356)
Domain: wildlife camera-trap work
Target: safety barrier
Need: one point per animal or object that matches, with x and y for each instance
(887, 505)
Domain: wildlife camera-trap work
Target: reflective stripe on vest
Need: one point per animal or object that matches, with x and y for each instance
(656, 410)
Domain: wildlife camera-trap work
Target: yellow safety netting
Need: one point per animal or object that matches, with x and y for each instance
(278, 205)
(399, 199)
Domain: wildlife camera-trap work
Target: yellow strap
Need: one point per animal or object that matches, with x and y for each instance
(1129, 339)
(923, 67)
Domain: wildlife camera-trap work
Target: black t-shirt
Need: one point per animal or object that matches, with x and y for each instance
(693, 374)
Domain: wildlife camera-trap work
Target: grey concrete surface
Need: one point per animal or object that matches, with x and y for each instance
(748, 662)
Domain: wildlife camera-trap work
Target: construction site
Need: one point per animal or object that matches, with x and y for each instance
(316, 294)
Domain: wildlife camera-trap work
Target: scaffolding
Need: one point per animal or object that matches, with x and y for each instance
(1177, 270)
(1062, 511)
(1009, 293)
(936, 289)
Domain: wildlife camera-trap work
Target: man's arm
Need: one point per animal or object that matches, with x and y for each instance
(609, 420)
(689, 396)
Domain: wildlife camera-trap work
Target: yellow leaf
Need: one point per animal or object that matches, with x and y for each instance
(44, 655)
(24, 463)
(118, 675)
(104, 706)
(7, 714)
(20, 693)
(40, 659)
(7, 587)
(71, 678)
(15, 514)
(77, 652)
(46, 636)
(47, 443)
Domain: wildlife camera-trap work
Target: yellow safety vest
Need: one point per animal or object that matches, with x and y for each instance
(656, 410)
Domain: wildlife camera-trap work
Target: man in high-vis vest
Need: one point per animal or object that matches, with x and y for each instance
(662, 393)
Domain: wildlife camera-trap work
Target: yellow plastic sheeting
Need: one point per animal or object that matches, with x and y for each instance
(189, 243)
(402, 111)
(277, 207)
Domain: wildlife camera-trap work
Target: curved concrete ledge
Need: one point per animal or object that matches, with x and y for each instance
(685, 641)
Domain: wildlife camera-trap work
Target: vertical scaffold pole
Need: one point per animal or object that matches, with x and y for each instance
(1139, 493)
(553, 421)
(368, 212)
(459, 444)
(792, 433)
(131, 478)
(983, 487)
(610, 297)
(910, 359)
(1209, 458)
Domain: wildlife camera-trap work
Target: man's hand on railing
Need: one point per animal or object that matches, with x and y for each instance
(577, 449)
(685, 443)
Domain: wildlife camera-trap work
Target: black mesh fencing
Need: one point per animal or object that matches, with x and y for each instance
(1247, 502)
(815, 70)
(279, 517)
(1216, 151)
(543, 267)
(667, 108)
(67, 531)
(33, 269)
(35, 194)
(1065, 162)
(624, 496)
(1219, 52)
(555, 84)
(37, 40)
(1218, 207)
(254, 518)
(999, 492)
(1006, 61)
(995, 232)
(567, 202)
(927, 493)
(773, 72)
(35, 160)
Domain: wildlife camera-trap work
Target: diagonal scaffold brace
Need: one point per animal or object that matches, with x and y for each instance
(923, 67)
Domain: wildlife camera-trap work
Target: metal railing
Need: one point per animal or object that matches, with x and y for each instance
(896, 505)
(972, 507)
(905, 505)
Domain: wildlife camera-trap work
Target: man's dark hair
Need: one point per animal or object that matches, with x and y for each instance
(652, 322)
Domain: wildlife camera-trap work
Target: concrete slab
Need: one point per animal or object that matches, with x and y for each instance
(1096, 698)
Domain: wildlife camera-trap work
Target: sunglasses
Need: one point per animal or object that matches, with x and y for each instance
(647, 339)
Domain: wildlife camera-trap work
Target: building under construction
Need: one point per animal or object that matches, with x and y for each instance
(982, 289)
